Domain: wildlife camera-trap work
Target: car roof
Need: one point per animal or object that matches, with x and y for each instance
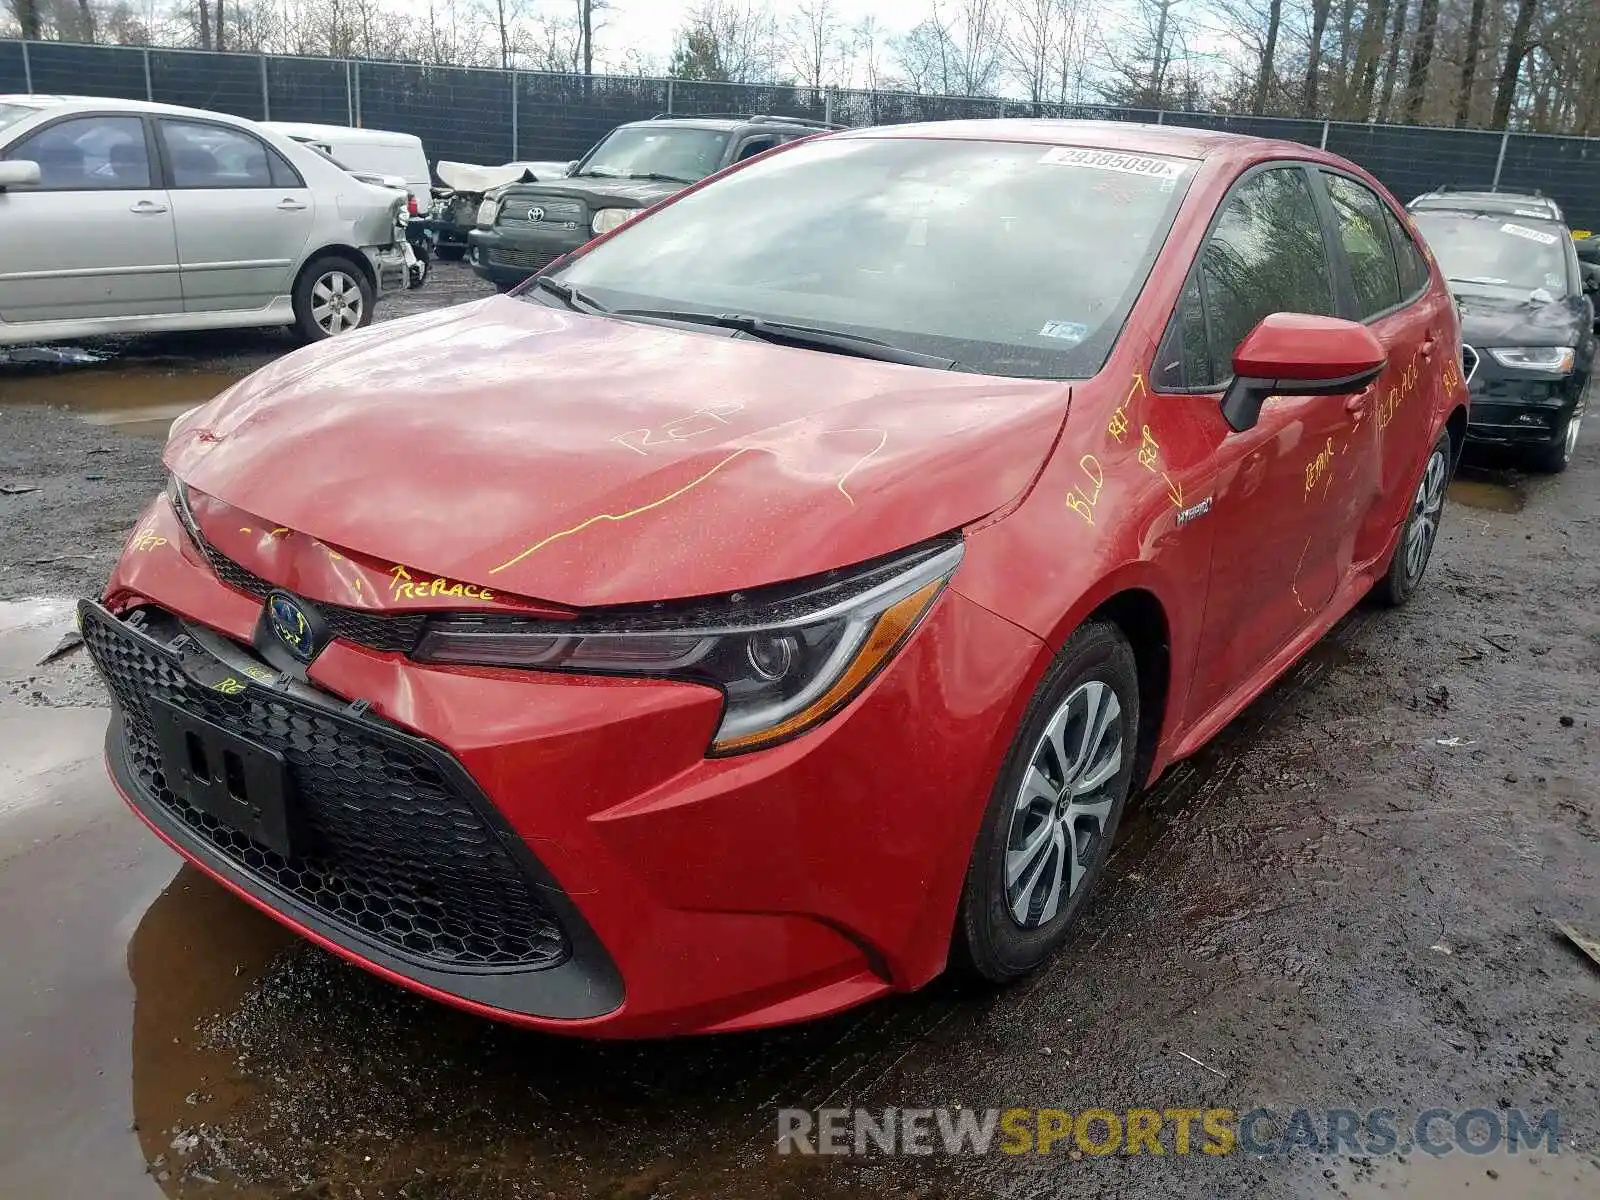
(1175, 141)
(50, 103)
(725, 124)
(343, 132)
(1528, 204)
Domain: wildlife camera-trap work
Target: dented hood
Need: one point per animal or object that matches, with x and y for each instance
(589, 461)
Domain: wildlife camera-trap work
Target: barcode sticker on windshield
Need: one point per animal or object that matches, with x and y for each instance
(1109, 160)
(1533, 235)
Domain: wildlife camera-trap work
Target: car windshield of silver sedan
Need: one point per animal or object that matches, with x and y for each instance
(1001, 258)
(1496, 254)
(675, 155)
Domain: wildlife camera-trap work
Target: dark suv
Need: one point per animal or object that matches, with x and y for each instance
(1527, 316)
(632, 167)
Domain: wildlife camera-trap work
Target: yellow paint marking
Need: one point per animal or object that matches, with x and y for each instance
(883, 440)
(622, 516)
(1174, 491)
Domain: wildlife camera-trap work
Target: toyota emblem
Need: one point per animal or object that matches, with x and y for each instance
(536, 214)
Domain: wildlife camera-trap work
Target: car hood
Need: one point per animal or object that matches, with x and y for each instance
(591, 461)
(1492, 321)
(639, 192)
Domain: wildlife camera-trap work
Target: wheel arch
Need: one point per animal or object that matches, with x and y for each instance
(340, 250)
(1142, 619)
(1456, 426)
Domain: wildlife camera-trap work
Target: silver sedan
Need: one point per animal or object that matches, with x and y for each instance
(118, 216)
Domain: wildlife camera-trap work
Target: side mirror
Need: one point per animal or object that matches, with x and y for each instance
(570, 167)
(18, 173)
(1296, 354)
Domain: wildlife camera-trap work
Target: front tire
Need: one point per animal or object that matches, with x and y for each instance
(332, 296)
(1055, 808)
(1415, 547)
(448, 252)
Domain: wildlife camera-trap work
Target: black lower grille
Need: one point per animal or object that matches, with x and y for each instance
(377, 631)
(399, 845)
(523, 260)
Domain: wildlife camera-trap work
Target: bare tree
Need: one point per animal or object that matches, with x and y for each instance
(1391, 67)
(812, 38)
(731, 41)
(1030, 43)
(1421, 58)
(1469, 62)
(1518, 48)
(28, 18)
(1319, 29)
(1269, 52)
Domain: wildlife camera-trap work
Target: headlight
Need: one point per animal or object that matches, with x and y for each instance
(487, 212)
(1557, 360)
(178, 497)
(607, 219)
(784, 662)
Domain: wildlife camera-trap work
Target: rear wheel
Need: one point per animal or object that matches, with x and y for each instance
(1055, 808)
(332, 296)
(1552, 459)
(1421, 530)
(450, 253)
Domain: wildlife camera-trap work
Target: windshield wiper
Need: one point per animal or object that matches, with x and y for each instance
(568, 295)
(836, 341)
(658, 177)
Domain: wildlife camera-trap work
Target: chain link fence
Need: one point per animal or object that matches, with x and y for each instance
(492, 116)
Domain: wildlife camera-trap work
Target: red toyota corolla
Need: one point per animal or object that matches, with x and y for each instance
(783, 596)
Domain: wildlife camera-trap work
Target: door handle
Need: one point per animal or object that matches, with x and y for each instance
(288, 205)
(1356, 405)
(1427, 346)
(147, 208)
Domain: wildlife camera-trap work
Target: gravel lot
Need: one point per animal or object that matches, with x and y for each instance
(1347, 900)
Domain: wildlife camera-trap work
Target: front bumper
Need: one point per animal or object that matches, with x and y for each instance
(508, 259)
(696, 894)
(1513, 408)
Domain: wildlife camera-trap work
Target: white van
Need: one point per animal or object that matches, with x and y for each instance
(368, 151)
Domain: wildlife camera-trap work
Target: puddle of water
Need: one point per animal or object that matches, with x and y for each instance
(1564, 1176)
(1482, 493)
(136, 400)
(30, 629)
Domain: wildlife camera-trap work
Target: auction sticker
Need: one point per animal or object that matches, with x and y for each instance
(1110, 160)
(1533, 235)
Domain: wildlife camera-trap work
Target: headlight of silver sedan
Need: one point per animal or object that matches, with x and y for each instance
(1557, 360)
(784, 663)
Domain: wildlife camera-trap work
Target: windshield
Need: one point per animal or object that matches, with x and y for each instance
(687, 155)
(1011, 259)
(1494, 255)
(10, 114)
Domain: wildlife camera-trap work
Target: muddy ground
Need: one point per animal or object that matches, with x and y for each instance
(1346, 901)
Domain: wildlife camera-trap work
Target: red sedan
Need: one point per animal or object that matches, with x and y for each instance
(783, 596)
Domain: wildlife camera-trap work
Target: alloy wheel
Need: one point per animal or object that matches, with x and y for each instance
(1058, 818)
(336, 303)
(1425, 510)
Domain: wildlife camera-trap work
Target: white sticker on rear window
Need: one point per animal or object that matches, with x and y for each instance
(1533, 235)
(1111, 160)
(1067, 331)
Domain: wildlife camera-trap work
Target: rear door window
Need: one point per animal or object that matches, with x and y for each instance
(1409, 259)
(215, 156)
(1368, 249)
